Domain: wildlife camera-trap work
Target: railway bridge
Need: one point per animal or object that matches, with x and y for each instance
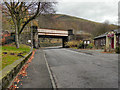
(65, 35)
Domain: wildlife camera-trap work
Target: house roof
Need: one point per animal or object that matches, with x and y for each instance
(103, 35)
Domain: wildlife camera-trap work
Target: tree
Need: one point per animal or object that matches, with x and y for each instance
(23, 13)
(102, 28)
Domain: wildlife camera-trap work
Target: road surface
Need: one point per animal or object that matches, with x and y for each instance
(73, 69)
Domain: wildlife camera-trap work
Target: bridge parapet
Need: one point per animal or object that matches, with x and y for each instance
(51, 32)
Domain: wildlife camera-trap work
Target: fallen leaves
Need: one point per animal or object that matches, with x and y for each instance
(21, 74)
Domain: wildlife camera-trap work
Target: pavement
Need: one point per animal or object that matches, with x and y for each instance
(77, 69)
(37, 73)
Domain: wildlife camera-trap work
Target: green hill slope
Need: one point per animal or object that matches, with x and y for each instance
(60, 21)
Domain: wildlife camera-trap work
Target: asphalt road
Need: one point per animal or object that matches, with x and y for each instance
(80, 70)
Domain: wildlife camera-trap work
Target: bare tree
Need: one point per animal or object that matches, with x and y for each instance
(24, 12)
(102, 28)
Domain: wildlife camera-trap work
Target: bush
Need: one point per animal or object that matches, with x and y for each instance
(91, 45)
(80, 45)
(71, 44)
(117, 50)
(77, 44)
(102, 47)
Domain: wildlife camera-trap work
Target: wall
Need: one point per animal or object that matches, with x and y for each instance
(24, 38)
(99, 43)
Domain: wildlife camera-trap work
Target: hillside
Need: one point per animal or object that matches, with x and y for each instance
(60, 21)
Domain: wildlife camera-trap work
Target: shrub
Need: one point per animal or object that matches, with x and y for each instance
(117, 50)
(77, 44)
(91, 45)
(71, 44)
(103, 47)
(80, 44)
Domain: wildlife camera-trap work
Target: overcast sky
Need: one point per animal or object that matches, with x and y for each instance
(95, 10)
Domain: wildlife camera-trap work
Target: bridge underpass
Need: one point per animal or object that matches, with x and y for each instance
(64, 39)
(65, 35)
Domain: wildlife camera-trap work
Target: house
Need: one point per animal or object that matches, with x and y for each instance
(109, 40)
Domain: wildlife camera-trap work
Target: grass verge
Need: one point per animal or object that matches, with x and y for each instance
(10, 54)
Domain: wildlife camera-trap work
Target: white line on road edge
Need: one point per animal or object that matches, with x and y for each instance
(50, 73)
(81, 53)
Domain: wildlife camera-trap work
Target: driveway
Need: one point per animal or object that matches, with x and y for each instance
(73, 69)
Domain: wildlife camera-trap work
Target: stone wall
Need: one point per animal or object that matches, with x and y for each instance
(24, 37)
(9, 72)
